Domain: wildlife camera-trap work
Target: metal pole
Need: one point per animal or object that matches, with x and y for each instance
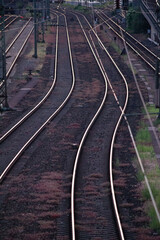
(35, 29)
(49, 9)
(3, 90)
(157, 85)
(46, 13)
(43, 16)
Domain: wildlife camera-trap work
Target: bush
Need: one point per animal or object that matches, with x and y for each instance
(136, 22)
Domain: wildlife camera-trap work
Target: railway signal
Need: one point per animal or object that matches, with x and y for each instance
(117, 4)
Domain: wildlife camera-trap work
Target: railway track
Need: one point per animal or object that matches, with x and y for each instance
(112, 228)
(9, 20)
(12, 40)
(25, 143)
(76, 144)
(16, 47)
(142, 51)
(142, 100)
(22, 133)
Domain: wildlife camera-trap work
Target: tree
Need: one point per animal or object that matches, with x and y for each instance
(136, 22)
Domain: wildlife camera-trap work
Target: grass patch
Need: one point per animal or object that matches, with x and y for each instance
(117, 162)
(145, 194)
(68, 5)
(152, 171)
(154, 223)
(143, 135)
(140, 176)
(157, 123)
(115, 47)
(82, 9)
(41, 50)
(152, 109)
(146, 151)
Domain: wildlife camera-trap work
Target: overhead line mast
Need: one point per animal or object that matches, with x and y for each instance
(3, 79)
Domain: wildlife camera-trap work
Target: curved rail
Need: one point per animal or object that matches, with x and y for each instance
(133, 141)
(10, 22)
(27, 144)
(122, 110)
(158, 3)
(136, 40)
(122, 114)
(147, 62)
(13, 128)
(13, 63)
(17, 35)
(22, 47)
(84, 136)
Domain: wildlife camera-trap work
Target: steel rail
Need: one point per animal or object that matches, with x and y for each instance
(18, 35)
(6, 20)
(85, 135)
(36, 134)
(14, 61)
(152, 67)
(134, 144)
(150, 11)
(133, 45)
(133, 141)
(132, 138)
(158, 4)
(11, 22)
(13, 128)
(122, 110)
(136, 40)
(122, 114)
(156, 137)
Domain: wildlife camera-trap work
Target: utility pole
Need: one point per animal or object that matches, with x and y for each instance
(157, 83)
(157, 87)
(43, 17)
(3, 80)
(35, 29)
(46, 13)
(48, 9)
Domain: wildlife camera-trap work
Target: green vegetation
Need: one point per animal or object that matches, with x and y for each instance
(68, 5)
(109, 3)
(143, 135)
(152, 171)
(154, 111)
(157, 123)
(117, 162)
(154, 223)
(140, 176)
(136, 22)
(29, 10)
(81, 8)
(115, 47)
(19, 4)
